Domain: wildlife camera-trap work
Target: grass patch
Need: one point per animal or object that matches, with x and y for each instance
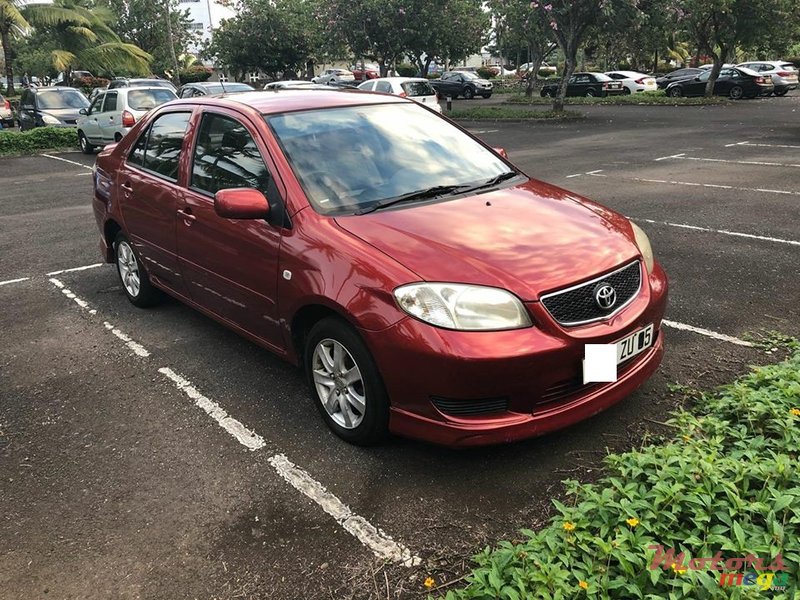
(506, 113)
(728, 482)
(645, 98)
(36, 140)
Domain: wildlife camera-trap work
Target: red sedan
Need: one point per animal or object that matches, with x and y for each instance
(441, 294)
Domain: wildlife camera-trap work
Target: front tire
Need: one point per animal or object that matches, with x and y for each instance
(345, 383)
(86, 147)
(135, 282)
(781, 92)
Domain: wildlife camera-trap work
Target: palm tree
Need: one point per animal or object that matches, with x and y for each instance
(84, 38)
(12, 23)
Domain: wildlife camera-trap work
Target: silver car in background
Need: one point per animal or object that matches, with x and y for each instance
(414, 88)
(112, 114)
(784, 74)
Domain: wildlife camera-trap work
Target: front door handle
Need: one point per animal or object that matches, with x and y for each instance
(126, 189)
(188, 217)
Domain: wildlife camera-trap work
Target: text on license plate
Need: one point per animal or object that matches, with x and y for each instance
(635, 344)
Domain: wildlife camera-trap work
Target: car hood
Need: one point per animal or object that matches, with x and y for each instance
(482, 81)
(63, 114)
(529, 239)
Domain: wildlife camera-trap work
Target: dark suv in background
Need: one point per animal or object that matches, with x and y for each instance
(50, 107)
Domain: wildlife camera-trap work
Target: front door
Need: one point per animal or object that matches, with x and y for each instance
(110, 117)
(90, 127)
(231, 266)
(149, 188)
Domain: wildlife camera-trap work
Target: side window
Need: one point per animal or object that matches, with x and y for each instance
(159, 148)
(226, 156)
(368, 87)
(110, 104)
(728, 73)
(186, 93)
(383, 86)
(95, 106)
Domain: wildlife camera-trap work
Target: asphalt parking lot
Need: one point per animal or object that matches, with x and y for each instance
(155, 454)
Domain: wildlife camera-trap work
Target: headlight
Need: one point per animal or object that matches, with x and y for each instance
(644, 246)
(462, 307)
(49, 120)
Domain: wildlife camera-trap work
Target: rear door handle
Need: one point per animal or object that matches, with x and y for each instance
(126, 188)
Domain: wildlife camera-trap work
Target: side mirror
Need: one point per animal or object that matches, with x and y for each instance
(501, 151)
(241, 203)
(82, 112)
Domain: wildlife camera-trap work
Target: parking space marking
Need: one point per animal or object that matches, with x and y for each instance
(752, 236)
(670, 156)
(382, 545)
(725, 160)
(69, 294)
(705, 185)
(757, 145)
(10, 281)
(73, 269)
(246, 437)
(72, 162)
(707, 332)
(134, 346)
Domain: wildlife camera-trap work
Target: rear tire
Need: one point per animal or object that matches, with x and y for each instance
(134, 279)
(590, 93)
(86, 147)
(736, 93)
(781, 92)
(345, 383)
(626, 91)
(468, 93)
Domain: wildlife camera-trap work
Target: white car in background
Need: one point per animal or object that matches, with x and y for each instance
(294, 84)
(113, 112)
(634, 82)
(333, 76)
(414, 88)
(784, 74)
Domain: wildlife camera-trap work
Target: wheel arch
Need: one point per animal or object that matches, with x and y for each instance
(110, 230)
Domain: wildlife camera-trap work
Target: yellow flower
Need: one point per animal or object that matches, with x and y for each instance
(569, 526)
(678, 569)
(583, 585)
(686, 438)
(795, 412)
(633, 521)
(429, 582)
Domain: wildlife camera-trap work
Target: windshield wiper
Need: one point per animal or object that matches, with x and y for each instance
(492, 182)
(431, 192)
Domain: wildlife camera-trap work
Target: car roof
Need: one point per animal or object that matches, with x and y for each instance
(628, 73)
(399, 79)
(277, 101)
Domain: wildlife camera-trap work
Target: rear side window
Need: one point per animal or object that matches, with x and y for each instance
(383, 86)
(418, 88)
(159, 148)
(226, 156)
(110, 103)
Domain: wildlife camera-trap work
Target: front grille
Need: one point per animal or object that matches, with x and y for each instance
(467, 408)
(576, 305)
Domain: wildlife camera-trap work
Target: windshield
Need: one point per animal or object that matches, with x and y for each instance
(147, 99)
(353, 157)
(54, 100)
(469, 75)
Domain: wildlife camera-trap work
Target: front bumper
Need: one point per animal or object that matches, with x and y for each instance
(535, 371)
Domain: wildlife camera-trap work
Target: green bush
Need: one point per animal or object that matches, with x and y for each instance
(728, 482)
(485, 72)
(35, 140)
(655, 97)
(194, 74)
(433, 75)
(407, 70)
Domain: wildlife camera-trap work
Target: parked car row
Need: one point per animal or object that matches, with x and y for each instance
(590, 85)
(748, 79)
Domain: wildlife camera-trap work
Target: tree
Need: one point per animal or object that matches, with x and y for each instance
(12, 24)
(82, 37)
(144, 24)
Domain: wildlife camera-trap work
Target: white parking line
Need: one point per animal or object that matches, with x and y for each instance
(10, 281)
(670, 156)
(68, 293)
(134, 346)
(763, 238)
(725, 160)
(383, 546)
(72, 270)
(705, 185)
(246, 437)
(707, 332)
(72, 162)
(762, 145)
(575, 175)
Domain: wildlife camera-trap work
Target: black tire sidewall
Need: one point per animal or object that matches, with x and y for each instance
(374, 426)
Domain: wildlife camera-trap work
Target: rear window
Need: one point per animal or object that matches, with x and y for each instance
(788, 65)
(418, 88)
(601, 77)
(147, 99)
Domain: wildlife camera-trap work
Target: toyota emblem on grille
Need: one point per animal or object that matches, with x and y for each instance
(605, 296)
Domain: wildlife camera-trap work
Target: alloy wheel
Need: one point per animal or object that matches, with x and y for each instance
(339, 383)
(128, 269)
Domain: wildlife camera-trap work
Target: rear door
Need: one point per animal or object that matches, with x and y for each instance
(149, 187)
(109, 118)
(231, 266)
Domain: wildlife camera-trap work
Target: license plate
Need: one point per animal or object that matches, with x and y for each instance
(634, 344)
